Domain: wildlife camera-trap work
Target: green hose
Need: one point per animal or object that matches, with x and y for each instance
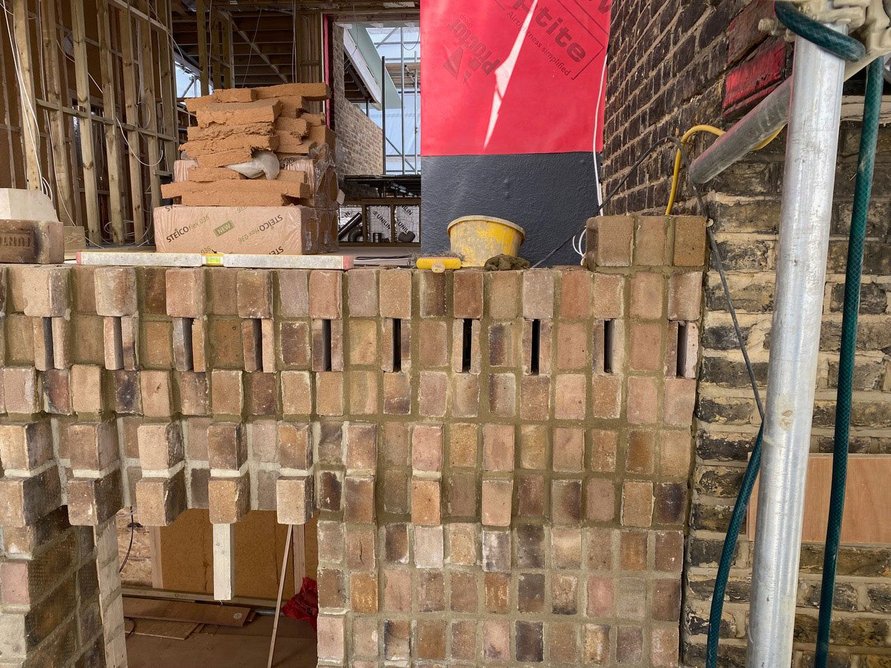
(836, 43)
(862, 194)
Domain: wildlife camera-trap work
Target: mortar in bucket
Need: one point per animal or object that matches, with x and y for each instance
(477, 238)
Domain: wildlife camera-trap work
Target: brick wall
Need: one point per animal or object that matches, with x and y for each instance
(499, 461)
(359, 139)
(668, 73)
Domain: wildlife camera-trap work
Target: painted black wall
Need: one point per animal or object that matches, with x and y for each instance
(550, 195)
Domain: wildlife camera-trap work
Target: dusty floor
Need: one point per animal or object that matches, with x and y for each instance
(222, 647)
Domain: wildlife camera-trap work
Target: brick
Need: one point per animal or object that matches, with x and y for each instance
(194, 397)
(637, 503)
(689, 241)
(463, 444)
(601, 596)
(596, 649)
(566, 501)
(151, 284)
(535, 398)
(665, 598)
(529, 641)
(296, 389)
(633, 550)
(395, 293)
(564, 594)
(496, 550)
(160, 500)
(538, 294)
(428, 547)
(650, 237)
(461, 494)
(629, 644)
(57, 392)
(685, 296)
(360, 548)
(503, 394)
(397, 590)
(497, 496)
(467, 294)
(23, 501)
(433, 344)
(294, 499)
(465, 395)
(433, 389)
(464, 640)
(425, 502)
(325, 294)
(229, 499)
(294, 344)
(530, 546)
(361, 447)
(503, 294)
(363, 342)
(91, 446)
(254, 293)
(647, 296)
(363, 592)
(227, 392)
(362, 299)
(566, 547)
(643, 400)
(397, 639)
(21, 390)
(395, 491)
(674, 454)
(86, 388)
(331, 540)
(631, 598)
(497, 592)
(430, 585)
(358, 498)
(261, 394)
(226, 445)
(680, 399)
(160, 445)
(397, 393)
(498, 447)
(570, 397)
(396, 543)
(329, 490)
(603, 451)
(669, 551)
(329, 393)
(156, 393)
(671, 502)
(569, 449)
(601, 500)
(331, 634)
(641, 453)
(576, 293)
(45, 291)
(431, 639)
(431, 288)
(293, 293)
(464, 595)
(331, 587)
(196, 441)
(185, 293)
(25, 446)
(613, 240)
(563, 643)
(534, 446)
(645, 346)
(127, 394)
(156, 345)
(363, 392)
(496, 640)
(609, 296)
(426, 448)
(115, 290)
(93, 501)
(224, 343)
(664, 647)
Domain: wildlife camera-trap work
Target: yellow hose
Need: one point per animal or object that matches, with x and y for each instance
(711, 129)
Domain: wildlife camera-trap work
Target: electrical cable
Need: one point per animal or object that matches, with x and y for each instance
(126, 558)
(840, 447)
(643, 156)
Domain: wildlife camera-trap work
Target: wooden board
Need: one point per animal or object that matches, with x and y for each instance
(868, 495)
(183, 611)
(157, 628)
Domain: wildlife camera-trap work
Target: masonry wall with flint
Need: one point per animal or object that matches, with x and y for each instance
(499, 461)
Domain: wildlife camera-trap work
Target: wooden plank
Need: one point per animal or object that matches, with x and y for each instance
(88, 162)
(157, 628)
(216, 71)
(183, 611)
(109, 110)
(53, 92)
(228, 55)
(868, 495)
(151, 110)
(201, 27)
(131, 114)
(223, 562)
(299, 549)
(30, 132)
(168, 88)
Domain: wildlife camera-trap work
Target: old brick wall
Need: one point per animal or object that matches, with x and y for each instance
(359, 139)
(669, 63)
(500, 461)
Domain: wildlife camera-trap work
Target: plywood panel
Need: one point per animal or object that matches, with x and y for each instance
(187, 555)
(867, 499)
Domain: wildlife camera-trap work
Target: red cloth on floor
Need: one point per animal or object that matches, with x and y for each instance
(304, 605)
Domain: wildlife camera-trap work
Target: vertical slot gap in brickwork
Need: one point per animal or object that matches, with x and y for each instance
(257, 340)
(326, 343)
(397, 345)
(118, 341)
(185, 327)
(466, 344)
(608, 342)
(47, 326)
(535, 352)
(681, 364)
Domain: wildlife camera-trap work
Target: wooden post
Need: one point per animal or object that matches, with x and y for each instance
(228, 56)
(52, 84)
(203, 62)
(214, 59)
(131, 114)
(151, 110)
(223, 562)
(168, 88)
(85, 123)
(109, 111)
(28, 106)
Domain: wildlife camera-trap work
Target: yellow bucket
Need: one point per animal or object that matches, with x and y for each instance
(477, 238)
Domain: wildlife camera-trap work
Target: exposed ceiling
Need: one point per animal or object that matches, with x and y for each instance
(263, 31)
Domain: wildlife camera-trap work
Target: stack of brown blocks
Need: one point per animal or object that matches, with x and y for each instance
(235, 123)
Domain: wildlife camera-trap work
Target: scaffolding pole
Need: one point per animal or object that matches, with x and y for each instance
(811, 147)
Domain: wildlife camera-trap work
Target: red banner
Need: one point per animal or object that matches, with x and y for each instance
(513, 76)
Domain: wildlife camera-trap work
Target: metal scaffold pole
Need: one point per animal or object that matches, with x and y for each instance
(809, 178)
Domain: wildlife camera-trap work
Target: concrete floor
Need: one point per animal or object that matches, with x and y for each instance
(226, 647)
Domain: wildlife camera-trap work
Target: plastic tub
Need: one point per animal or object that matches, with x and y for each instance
(477, 238)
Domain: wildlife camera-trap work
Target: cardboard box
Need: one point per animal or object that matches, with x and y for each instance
(259, 230)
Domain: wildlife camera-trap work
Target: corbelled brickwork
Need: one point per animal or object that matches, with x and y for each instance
(669, 66)
(500, 461)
